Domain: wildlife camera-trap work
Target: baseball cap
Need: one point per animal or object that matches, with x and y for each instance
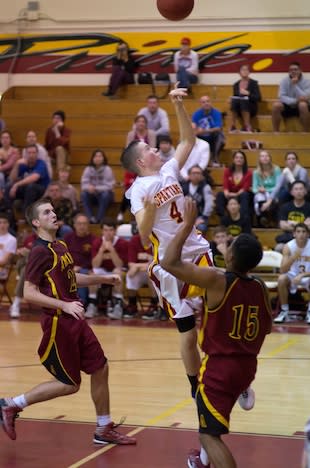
(186, 41)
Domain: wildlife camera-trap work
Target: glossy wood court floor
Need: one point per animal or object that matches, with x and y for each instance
(149, 387)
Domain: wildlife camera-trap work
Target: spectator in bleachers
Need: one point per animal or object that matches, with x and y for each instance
(141, 132)
(139, 260)
(295, 270)
(28, 179)
(31, 139)
(235, 221)
(129, 177)
(97, 185)
(123, 67)
(9, 154)
(22, 258)
(165, 147)
(219, 244)
(294, 99)
(67, 189)
(199, 190)
(57, 139)
(157, 118)
(8, 245)
(63, 209)
(244, 101)
(79, 242)
(186, 64)
(109, 255)
(292, 172)
(292, 213)
(7, 209)
(265, 179)
(208, 125)
(199, 155)
(237, 182)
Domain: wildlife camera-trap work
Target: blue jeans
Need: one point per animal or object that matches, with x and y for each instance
(102, 199)
(185, 78)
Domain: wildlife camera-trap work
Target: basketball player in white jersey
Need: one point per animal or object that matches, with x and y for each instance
(295, 269)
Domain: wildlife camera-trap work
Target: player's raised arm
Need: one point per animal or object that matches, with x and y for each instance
(187, 136)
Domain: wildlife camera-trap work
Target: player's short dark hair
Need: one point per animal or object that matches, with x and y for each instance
(32, 210)
(129, 157)
(297, 182)
(301, 225)
(111, 222)
(247, 253)
(61, 114)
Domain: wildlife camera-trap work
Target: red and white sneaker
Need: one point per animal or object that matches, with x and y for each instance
(247, 399)
(108, 435)
(193, 460)
(8, 414)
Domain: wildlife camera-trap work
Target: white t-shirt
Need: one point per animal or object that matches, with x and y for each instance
(199, 156)
(8, 244)
(302, 264)
(168, 194)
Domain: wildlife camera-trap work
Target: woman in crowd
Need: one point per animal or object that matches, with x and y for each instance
(235, 221)
(141, 132)
(265, 178)
(123, 66)
(97, 186)
(237, 183)
(9, 154)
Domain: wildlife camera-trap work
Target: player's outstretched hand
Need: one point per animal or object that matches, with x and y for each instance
(177, 94)
(112, 279)
(190, 212)
(74, 308)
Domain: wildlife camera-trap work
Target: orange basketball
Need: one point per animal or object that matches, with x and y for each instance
(175, 10)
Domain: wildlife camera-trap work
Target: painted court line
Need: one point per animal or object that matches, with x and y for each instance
(182, 404)
(104, 449)
(283, 347)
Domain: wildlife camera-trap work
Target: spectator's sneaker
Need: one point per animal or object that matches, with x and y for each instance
(117, 312)
(131, 311)
(153, 313)
(14, 310)
(281, 317)
(247, 399)
(8, 414)
(108, 435)
(91, 311)
(307, 318)
(233, 129)
(193, 460)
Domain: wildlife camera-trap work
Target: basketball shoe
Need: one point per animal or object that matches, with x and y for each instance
(108, 435)
(247, 399)
(193, 460)
(282, 317)
(8, 414)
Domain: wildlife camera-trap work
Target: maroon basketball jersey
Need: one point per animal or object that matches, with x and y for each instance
(240, 322)
(50, 268)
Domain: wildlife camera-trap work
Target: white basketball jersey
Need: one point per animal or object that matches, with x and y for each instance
(302, 264)
(164, 187)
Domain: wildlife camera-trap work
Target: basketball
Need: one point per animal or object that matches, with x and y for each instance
(175, 10)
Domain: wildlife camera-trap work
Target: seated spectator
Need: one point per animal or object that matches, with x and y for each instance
(129, 177)
(123, 67)
(157, 118)
(186, 64)
(7, 209)
(137, 276)
(295, 269)
(97, 185)
(208, 124)
(265, 178)
(292, 213)
(31, 139)
(22, 258)
(199, 190)
(8, 245)
(79, 242)
(235, 221)
(28, 179)
(165, 147)
(237, 183)
(67, 189)
(244, 102)
(63, 209)
(57, 139)
(199, 155)
(9, 154)
(219, 244)
(294, 98)
(141, 132)
(292, 172)
(109, 255)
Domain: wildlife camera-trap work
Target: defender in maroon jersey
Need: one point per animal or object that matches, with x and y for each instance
(236, 319)
(68, 345)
